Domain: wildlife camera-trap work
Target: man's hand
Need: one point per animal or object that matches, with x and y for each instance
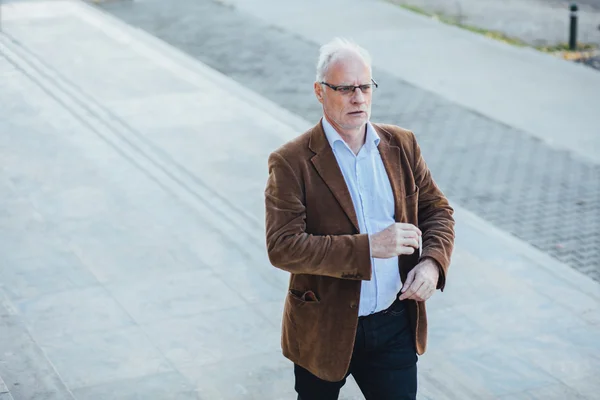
(395, 240)
(421, 281)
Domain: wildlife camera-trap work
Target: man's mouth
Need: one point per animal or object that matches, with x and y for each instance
(356, 112)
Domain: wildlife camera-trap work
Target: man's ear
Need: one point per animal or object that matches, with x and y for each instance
(319, 92)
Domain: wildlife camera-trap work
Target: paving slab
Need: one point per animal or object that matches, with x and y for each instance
(126, 206)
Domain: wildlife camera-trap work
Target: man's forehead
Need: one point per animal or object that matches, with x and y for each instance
(349, 68)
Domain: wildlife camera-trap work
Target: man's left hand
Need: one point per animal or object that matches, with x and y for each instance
(421, 281)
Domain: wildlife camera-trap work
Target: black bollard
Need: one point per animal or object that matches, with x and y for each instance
(573, 28)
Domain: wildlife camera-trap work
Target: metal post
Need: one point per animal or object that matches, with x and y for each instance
(573, 28)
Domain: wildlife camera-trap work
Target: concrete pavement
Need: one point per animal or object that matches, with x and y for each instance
(132, 258)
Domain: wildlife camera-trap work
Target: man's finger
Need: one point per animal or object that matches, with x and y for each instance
(410, 235)
(410, 286)
(408, 227)
(406, 250)
(412, 289)
(412, 242)
(423, 292)
(424, 297)
(409, 280)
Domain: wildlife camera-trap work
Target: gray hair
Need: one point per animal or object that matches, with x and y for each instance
(331, 51)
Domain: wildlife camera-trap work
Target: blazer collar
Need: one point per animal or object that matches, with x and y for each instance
(318, 140)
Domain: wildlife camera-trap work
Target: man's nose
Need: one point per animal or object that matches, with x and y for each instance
(358, 96)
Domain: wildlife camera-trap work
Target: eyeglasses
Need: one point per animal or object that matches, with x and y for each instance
(347, 89)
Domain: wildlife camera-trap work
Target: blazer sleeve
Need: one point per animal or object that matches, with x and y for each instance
(435, 217)
(290, 248)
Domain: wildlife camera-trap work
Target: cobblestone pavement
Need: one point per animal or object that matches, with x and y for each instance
(547, 197)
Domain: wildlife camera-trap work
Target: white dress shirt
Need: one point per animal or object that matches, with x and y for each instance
(373, 200)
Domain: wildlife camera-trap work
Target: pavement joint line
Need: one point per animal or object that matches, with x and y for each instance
(3, 387)
(7, 305)
(140, 153)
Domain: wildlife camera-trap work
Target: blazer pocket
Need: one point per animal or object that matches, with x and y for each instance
(304, 316)
(413, 196)
(307, 296)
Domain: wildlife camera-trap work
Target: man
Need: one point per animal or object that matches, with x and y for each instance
(347, 205)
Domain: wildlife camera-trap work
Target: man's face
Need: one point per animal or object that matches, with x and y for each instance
(346, 111)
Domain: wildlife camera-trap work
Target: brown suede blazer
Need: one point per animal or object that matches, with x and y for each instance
(312, 231)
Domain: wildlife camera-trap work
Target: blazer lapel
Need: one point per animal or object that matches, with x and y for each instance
(391, 155)
(326, 165)
(393, 160)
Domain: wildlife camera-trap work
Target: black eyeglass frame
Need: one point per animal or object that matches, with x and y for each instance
(354, 87)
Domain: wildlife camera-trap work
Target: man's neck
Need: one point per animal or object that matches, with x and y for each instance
(354, 138)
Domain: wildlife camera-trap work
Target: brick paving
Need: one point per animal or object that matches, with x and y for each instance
(547, 197)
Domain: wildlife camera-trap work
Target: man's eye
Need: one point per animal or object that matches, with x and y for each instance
(365, 88)
(345, 89)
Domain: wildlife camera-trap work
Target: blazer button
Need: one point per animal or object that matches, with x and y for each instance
(353, 305)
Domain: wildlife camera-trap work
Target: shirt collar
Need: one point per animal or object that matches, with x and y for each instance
(372, 139)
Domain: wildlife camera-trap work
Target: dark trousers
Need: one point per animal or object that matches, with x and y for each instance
(384, 361)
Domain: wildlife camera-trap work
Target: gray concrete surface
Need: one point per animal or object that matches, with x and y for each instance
(545, 195)
(132, 259)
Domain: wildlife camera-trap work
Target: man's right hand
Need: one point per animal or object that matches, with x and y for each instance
(395, 240)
